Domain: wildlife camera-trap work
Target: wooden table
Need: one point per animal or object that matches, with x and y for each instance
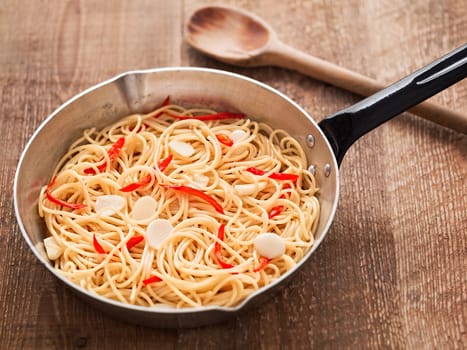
(392, 270)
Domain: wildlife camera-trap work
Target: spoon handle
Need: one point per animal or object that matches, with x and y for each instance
(283, 55)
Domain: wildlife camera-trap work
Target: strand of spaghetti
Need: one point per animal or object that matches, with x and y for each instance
(206, 117)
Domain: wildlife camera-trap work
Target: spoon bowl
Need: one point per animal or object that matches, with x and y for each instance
(238, 37)
(230, 35)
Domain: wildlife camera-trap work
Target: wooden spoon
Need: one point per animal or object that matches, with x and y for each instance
(241, 38)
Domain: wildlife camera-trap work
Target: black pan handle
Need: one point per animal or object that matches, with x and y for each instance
(343, 128)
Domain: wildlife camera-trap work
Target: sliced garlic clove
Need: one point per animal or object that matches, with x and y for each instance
(108, 205)
(144, 208)
(53, 250)
(200, 180)
(247, 189)
(269, 245)
(157, 231)
(40, 247)
(182, 148)
(237, 135)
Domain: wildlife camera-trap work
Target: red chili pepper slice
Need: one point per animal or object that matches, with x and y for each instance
(134, 241)
(217, 248)
(164, 163)
(165, 103)
(112, 152)
(135, 185)
(200, 194)
(256, 171)
(275, 211)
(151, 280)
(278, 209)
(91, 171)
(116, 147)
(55, 200)
(214, 116)
(225, 139)
(147, 179)
(97, 246)
(262, 264)
(275, 176)
(284, 176)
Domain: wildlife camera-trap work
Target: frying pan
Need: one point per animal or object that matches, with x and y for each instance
(140, 91)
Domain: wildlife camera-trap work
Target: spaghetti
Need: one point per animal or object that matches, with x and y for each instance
(180, 207)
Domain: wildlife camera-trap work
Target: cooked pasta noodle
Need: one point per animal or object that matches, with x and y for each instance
(198, 177)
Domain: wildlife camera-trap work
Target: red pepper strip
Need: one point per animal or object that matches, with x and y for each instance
(147, 179)
(215, 116)
(263, 263)
(275, 176)
(275, 211)
(135, 185)
(116, 147)
(151, 280)
(256, 171)
(217, 248)
(55, 200)
(164, 163)
(112, 152)
(200, 194)
(284, 176)
(225, 139)
(97, 246)
(134, 241)
(165, 103)
(100, 168)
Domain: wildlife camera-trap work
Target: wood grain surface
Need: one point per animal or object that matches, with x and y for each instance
(391, 274)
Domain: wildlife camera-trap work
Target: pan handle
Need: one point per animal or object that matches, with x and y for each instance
(343, 128)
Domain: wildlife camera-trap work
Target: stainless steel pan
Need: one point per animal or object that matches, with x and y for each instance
(140, 91)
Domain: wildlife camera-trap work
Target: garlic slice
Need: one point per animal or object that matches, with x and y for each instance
(144, 208)
(157, 231)
(40, 247)
(53, 250)
(247, 189)
(182, 148)
(200, 180)
(269, 245)
(237, 135)
(109, 204)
